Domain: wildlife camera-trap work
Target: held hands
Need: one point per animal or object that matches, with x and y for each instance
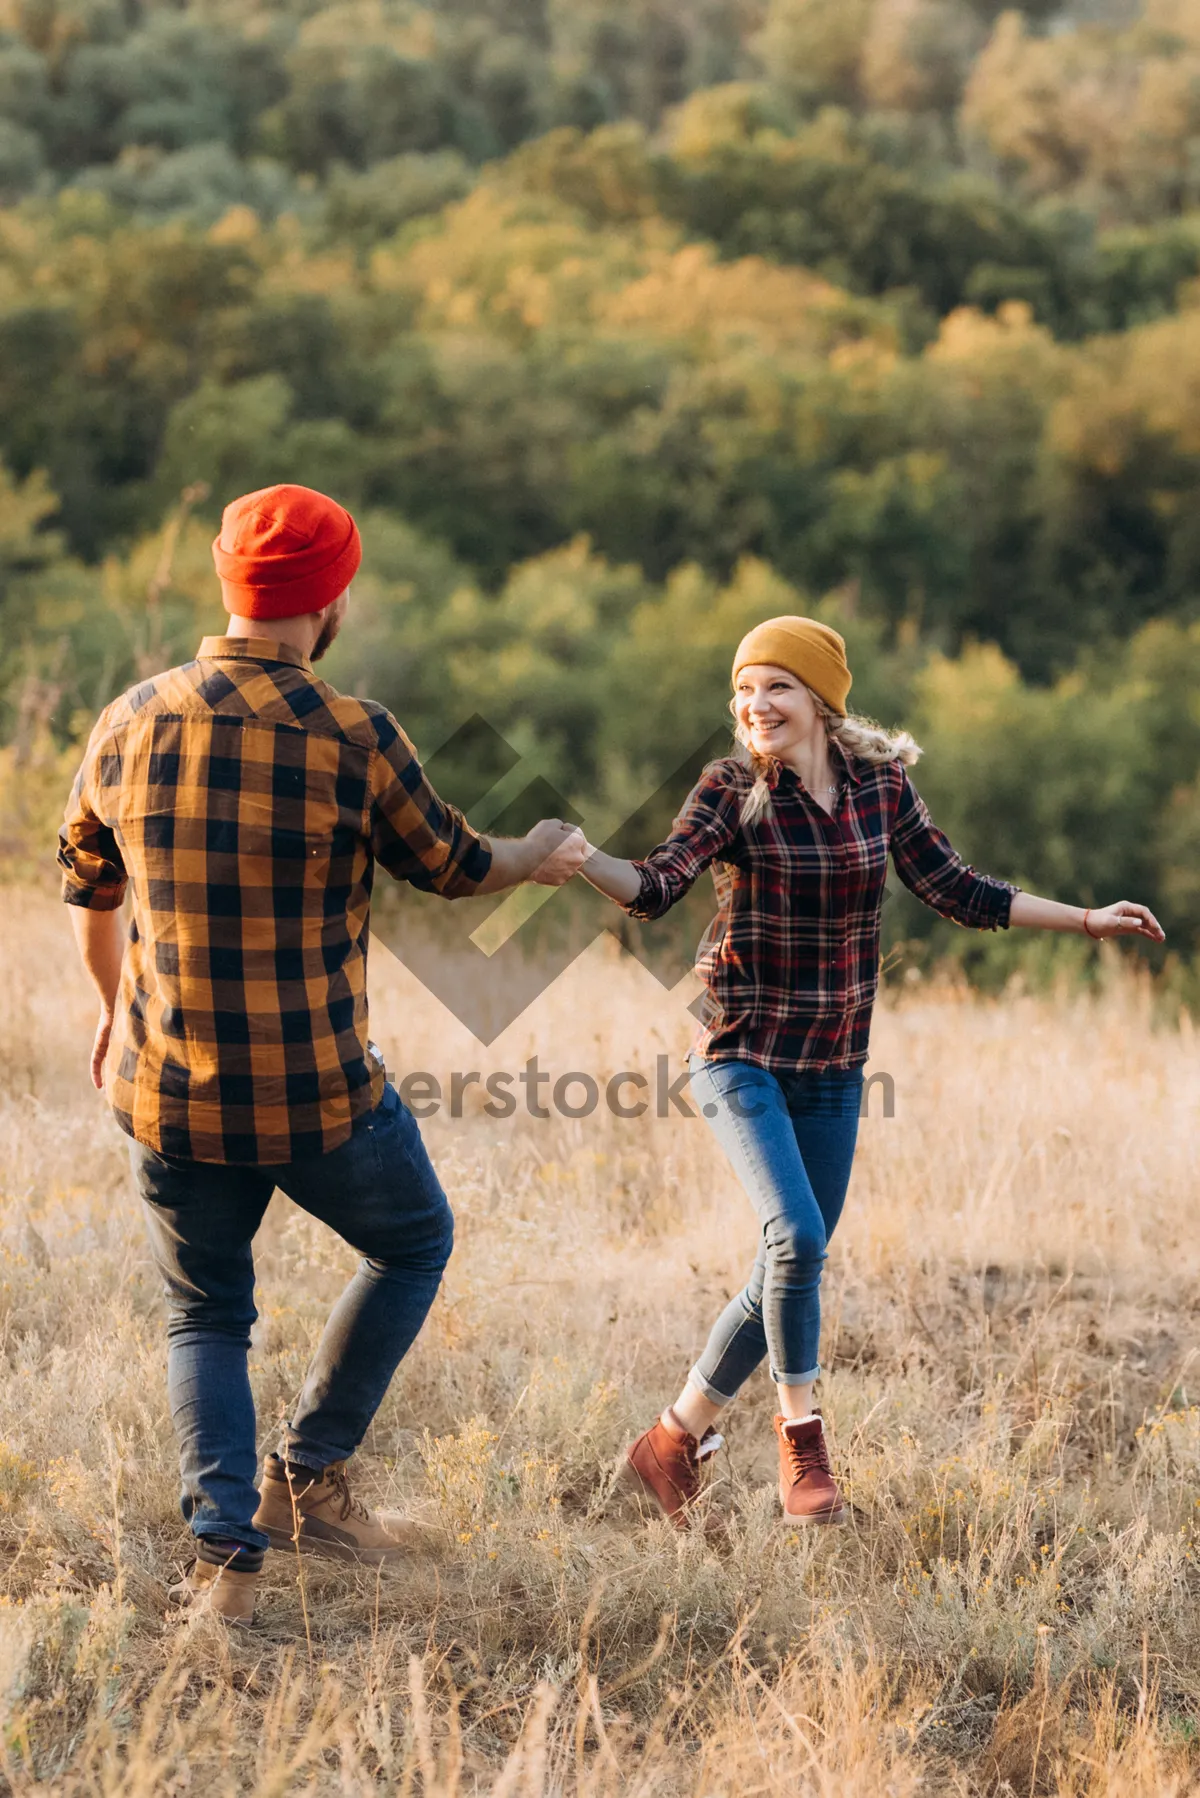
(561, 849)
(1124, 919)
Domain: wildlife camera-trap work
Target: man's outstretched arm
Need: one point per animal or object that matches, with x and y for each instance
(549, 854)
(419, 837)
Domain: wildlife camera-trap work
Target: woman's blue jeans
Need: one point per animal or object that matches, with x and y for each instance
(790, 1140)
(379, 1191)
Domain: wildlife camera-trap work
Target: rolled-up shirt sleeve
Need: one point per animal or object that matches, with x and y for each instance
(931, 868)
(415, 835)
(89, 856)
(705, 827)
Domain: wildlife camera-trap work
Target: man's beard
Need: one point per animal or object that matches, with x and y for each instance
(329, 631)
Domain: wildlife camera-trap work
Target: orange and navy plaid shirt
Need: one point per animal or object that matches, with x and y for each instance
(244, 803)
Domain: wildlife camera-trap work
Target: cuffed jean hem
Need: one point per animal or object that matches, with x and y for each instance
(708, 1390)
(243, 1559)
(796, 1379)
(244, 1534)
(298, 1456)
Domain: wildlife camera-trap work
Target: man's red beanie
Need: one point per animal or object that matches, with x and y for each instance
(285, 550)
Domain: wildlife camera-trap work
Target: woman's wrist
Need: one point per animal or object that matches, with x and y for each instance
(613, 876)
(1033, 913)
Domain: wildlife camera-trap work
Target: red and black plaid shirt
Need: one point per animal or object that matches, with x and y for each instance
(245, 803)
(791, 960)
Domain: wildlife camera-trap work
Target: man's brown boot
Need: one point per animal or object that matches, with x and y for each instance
(667, 1464)
(317, 1514)
(807, 1489)
(218, 1591)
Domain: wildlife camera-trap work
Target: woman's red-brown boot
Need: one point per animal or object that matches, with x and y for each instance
(666, 1463)
(807, 1489)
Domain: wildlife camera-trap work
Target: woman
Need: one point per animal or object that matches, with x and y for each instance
(797, 825)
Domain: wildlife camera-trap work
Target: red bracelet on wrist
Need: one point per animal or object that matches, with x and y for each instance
(1087, 914)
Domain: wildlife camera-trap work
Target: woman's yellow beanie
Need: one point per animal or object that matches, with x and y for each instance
(811, 651)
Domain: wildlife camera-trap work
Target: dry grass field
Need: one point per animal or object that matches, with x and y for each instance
(1014, 1393)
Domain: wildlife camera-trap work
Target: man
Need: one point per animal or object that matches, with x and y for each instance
(244, 804)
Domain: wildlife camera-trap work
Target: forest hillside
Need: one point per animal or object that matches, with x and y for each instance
(622, 326)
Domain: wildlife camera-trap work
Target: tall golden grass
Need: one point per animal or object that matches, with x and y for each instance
(1013, 1393)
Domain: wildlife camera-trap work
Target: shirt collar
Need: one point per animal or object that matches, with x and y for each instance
(252, 649)
(847, 761)
(775, 767)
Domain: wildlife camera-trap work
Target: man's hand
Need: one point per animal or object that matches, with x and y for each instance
(100, 1049)
(549, 854)
(561, 850)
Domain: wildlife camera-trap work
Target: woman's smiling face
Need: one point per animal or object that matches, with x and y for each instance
(774, 708)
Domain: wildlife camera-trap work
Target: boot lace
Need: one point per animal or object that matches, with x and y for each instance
(351, 1506)
(809, 1455)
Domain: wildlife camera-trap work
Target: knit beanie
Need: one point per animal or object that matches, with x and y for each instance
(285, 550)
(811, 651)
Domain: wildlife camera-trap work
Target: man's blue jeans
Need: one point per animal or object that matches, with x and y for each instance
(379, 1191)
(790, 1139)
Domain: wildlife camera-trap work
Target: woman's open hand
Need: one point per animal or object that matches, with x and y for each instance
(1125, 919)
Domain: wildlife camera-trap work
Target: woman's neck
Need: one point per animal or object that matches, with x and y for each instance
(812, 760)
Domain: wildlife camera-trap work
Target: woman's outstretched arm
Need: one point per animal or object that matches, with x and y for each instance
(1123, 918)
(648, 886)
(931, 868)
